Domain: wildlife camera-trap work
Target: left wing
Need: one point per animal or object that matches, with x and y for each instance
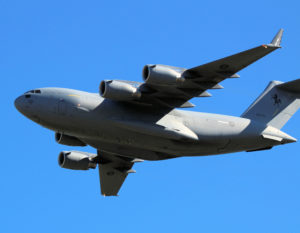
(172, 87)
(113, 170)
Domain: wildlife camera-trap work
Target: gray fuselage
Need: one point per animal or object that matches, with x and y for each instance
(141, 131)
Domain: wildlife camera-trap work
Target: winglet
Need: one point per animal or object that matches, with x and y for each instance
(277, 39)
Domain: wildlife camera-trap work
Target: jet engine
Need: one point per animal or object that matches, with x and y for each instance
(162, 75)
(68, 140)
(76, 160)
(118, 90)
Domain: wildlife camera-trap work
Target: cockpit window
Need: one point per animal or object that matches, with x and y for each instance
(34, 91)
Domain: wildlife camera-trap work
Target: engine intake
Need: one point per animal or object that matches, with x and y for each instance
(76, 160)
(162, 75)
(68, 140)
(118, 90)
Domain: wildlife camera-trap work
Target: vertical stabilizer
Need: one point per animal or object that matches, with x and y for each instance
(276, 105)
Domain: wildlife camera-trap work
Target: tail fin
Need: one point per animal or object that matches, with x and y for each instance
(276, 105)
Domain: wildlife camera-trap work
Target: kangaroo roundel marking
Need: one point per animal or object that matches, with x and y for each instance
(277, 100)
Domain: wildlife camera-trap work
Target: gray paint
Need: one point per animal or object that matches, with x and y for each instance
(141, 121)
(97, 121)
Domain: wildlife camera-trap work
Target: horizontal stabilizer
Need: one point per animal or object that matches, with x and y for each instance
(292, 86)
(274, 134)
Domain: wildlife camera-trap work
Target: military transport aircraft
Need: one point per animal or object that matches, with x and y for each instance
(129, 122)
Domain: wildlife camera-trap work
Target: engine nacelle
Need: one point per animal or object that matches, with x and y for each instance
(118, 90)
(162, 75)
(76, 160)
(68, 140)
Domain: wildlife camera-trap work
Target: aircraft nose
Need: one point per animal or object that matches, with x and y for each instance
(19, 102)
(24, 104)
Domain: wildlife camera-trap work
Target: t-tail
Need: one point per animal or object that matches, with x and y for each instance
(276, 105)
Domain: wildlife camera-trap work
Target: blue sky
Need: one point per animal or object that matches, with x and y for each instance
(76, 44)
